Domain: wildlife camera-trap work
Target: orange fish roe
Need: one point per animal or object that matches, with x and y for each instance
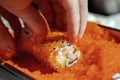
(101, 59)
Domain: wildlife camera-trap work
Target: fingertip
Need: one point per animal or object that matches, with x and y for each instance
(81, 33)
(80, 36)
(83, 4)
(72, 38)
(82, 30)
(72, 18)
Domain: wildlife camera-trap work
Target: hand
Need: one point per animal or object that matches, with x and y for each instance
(66, 13)
(31, 17)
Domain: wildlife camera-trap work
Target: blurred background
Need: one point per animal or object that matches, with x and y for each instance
(106, 7)
(105, 12)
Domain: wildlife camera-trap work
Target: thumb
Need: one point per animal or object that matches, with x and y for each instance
(28, 14)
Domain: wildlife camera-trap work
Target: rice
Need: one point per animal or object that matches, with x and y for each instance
(59, 54)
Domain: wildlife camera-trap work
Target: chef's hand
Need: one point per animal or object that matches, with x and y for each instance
(76, 16)
(62, 13)
(31, 17)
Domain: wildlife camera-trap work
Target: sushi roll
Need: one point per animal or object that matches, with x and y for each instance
(55, 52)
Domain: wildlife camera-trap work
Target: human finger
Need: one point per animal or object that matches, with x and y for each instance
(13, 21)
(29, 15)
(36, 22)
(47, 10)
(60, 20)
(53, 12)
(83, 5)
(72, 17)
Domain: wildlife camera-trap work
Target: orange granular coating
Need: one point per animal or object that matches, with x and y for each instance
(101, 59)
